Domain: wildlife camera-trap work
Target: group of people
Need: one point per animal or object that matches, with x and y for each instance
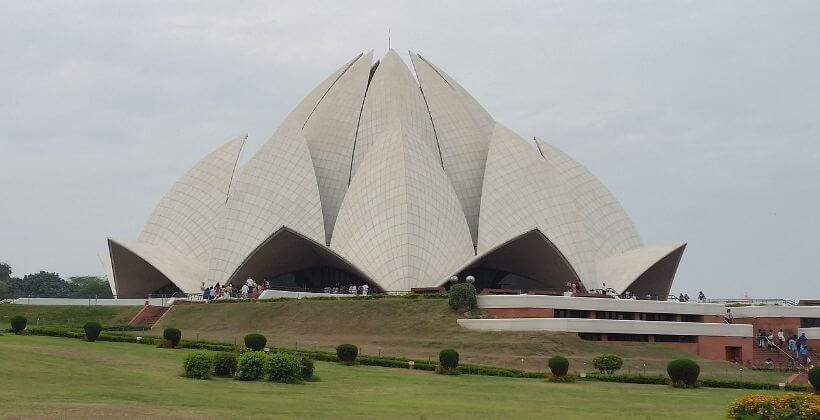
(352, 290)
(797, 347)
(684, 297)
(249, 289)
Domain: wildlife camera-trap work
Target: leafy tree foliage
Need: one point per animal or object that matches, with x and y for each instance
(45, 284)
(90, 286)
(5, 271)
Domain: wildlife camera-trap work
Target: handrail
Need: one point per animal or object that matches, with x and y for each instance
(772, 344)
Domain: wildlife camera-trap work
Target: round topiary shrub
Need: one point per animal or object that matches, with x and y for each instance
(225, 363)
(307, 368)
(683, 373)
(172, 337)
(198, 365)
(284, 367)
(608, 363)
(92, 330)
(251, 366)
(462, 296)
(255, 342)
(814, 379)
(347, 353)
(18, 324)
(559, 366)
(448, 358)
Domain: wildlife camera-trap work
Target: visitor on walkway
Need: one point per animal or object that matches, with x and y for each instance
(680, 298)
(217, 291)
(781, 337)
(244, 290)
(701, 297)
(352, 289)
(728, 317)
(365, 289)
(206, 294)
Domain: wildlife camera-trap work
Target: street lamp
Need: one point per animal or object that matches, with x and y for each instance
(454, 279)
(470, 279)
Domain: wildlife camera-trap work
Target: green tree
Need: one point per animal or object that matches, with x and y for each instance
(5, 271)
(42, 284)
(4, 289)
(90, 286)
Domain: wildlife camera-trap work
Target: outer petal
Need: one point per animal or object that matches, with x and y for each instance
(643, 270)
(607, 224)
(330, 131)
(140, 268)
(185, 219)
(463, 129)
(105, 260)
(275, 188)
(401, 221)
(522, 193)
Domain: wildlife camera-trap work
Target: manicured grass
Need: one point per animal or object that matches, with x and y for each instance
(67, 314)
(66, 378)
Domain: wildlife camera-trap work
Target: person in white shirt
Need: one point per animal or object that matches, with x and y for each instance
(364, 289)
(781, 337)
(244, 290)
(352, 289)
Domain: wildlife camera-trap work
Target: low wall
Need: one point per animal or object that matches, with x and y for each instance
(586, 325)
(273, 294)
(598, 304)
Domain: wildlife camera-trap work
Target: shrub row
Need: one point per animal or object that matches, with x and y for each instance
(707, 383)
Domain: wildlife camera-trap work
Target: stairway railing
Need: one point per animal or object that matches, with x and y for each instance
(771, 344)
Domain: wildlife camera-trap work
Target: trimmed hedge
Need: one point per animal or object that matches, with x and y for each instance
(559, 366)
(683, 373)
(198, 365)
(347, 353)
(351, 297)
(706, 383)
(284, 367)
(814, 378)
(251, 366)
(225, 363)
(255, 342)
(92, 330)
(18, 324)
(608, 363)
(462, 296)
(172, 336)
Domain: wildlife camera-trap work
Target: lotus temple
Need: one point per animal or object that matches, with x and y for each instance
(398, 179)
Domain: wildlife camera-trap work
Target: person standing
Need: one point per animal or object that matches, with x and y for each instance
(701, 297)
(781, 337)
(770, 339)
(728, 317)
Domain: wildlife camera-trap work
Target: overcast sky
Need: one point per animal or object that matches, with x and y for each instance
(703, 118)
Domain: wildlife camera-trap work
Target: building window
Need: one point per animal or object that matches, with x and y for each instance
(657, 317)
(809, 322)
(569, 313)
(676, 339)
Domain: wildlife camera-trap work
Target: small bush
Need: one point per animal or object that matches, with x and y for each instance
(92, 330)
(683, 373)
(172, 337)
(255, 342)
(251, 366)
(789, 406)
(284, 367)
(347, 353)
(18, 324)
(307, 368)
(559, 365)
(608, 363)
(462, 296)
(814, 378)
(198, 365)
(225, 363)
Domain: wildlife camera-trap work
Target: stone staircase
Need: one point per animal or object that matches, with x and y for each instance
(149, 315)
(780, 360)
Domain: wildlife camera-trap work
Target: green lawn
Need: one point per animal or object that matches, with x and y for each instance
(67, 378)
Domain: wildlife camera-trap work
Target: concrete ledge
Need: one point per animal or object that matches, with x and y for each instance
(88, 302)
(584, 325)
(776, 311)
(600, 304)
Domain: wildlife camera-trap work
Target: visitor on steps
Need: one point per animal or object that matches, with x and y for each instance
(728, 317)
(781, 337)
(793, 345)
(761, 338)
(770, 339)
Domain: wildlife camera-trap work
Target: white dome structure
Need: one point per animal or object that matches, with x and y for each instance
(396, 181)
